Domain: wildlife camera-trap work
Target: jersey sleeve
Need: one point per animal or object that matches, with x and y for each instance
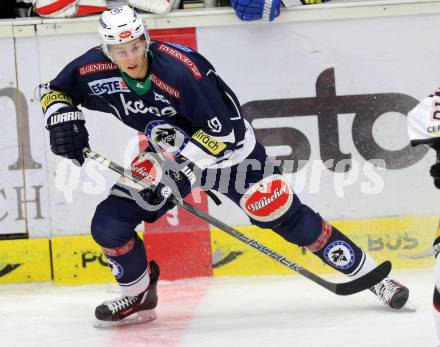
(214, 113)
(60, 92)
(424, 119)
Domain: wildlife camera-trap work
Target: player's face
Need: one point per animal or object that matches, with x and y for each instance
(131, 58)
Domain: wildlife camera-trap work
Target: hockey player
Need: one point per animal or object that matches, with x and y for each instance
(186, 110)
(424, 128)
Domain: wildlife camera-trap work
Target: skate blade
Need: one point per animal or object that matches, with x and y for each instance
(136, 318)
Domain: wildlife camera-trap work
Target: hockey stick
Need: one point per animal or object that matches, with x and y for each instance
(364, 282)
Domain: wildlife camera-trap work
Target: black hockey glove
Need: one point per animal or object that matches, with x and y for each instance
(435, 169)
(435, 173)
(173, 183)
(68, 134)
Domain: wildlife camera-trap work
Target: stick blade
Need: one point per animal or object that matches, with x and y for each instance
(364, 282)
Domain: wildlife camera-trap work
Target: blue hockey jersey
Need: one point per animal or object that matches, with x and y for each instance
(187, 109)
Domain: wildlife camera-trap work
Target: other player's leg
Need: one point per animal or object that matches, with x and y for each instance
(436, 298)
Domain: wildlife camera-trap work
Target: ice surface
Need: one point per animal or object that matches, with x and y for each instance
(224, 312)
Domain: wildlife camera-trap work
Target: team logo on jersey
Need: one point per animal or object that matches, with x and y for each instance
(167, 137)
(96, 67)
(210, 143)
(339, 254)
(268, 199)
(55, 97)
(116, 268)
(109, 86)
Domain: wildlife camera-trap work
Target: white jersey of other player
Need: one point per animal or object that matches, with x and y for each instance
(424, 128)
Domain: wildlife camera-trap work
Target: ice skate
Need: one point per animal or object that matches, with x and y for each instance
(128, 310)
(391, 293)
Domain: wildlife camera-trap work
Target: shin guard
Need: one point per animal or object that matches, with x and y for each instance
(128, 264)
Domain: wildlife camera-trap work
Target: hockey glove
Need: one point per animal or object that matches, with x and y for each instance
(256, 9)
(435, 173)
(435, 169)
(68, 134)
(173, 183)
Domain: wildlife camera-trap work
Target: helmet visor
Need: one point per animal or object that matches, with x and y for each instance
(128, 50)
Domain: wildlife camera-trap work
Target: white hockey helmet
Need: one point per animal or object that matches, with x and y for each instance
(121, 25)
